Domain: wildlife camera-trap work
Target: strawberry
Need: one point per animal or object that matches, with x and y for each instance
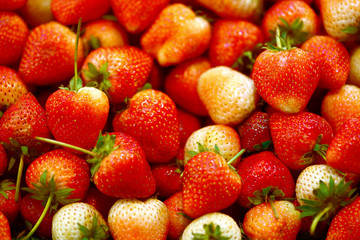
(176, 35)
(332, 58)
(11, 87)
(304, 141)
(5, 231)
(151, 118)
(339, 105)
(13, 34)
(103, 33)
(3, 160)
(10, 5)
(354, 74)
(228, 95)
(261, 223)
(167, 178)
(188, 123)
(8, 206)
(285, 76)
(57, 65)
(78, 221)
(345, 224)
(121, 169)
(254, 132)
(231, 38)
(36, 12)
(296, 19)
(264, 171)
(118, 71)
(178, 221)
(69, 12)
(214, 225)
(343, 150)
(220, 185)
(128, 13)
(181, 85)
(100, 201)
(216, 138)
(136, 219)
(340, 18)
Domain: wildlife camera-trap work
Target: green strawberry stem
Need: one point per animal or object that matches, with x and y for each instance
(318, 218)
(62, 144)
(76, 51)
(37, 224)
(18, 178)
(236, 156)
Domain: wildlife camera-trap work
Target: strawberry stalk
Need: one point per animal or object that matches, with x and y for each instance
(18, 178)
(231, 161)
(318, 148)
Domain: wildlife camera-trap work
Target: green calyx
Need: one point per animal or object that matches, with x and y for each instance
(202, 148)
(293, 32)
(99, 78)
(318, 148)
(96, 231)
(330, 199)
(283, 43)
(246, 61)
(6, 185)
(263, 146)
(212, 232)
(353, 32)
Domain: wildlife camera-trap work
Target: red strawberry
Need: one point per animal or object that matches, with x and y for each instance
(57, 65)
(264, 178)
(118, 71)
(303, 141)
(69, 12)
(188, 123)
(176, 35)
(344, 150)
(209, 184)
(8, 206)
(181, 85)
(99, 200)
(13, 35)
(10, 5)
(255, 132)
(128, 13)
(332, 58)
(3, 160)
(151, 118)
(285, 77)
(121, 170)
(167, 178)
(5, 231)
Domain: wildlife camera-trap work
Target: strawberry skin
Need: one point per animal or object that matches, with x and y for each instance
(8, 206)
(5, 233)
(3, 160)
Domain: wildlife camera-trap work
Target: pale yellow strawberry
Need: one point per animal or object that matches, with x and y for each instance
(228, 95)
(354, 75)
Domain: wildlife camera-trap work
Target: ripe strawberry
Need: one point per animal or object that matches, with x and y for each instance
(188, 123)
(339, 105)
(214, 225)
(121, 169)
(8, 206)
(69, 12)
(354, 74)
(220, 185)
(100, 201)
(343, 152)
(167, 178)
(3, 160)
(215, 138)
(340, 18)
(57, 65)
(231, 38)
(176, 35)
(228, 95)
(13, 35)
(103, 33)
(178, 221)
(11, 5)
(135, 219)
(303, 141)
(118, 71)
(77, 117)
(11, 87)
(36, 12)
(5, 231)
(264, 171)
(332, 58)
(345, 224)
(151, 118)
(261, 223)
(128, 13)
(181, 85)
(78, 221)
(285, 77)
(254, 132)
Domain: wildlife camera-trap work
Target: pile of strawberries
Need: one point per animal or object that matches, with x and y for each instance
(179, 119)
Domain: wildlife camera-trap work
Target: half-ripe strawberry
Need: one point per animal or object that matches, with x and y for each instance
(118, 71)
(77, 117)
(151, 118)
(228, 95)
(176, 35)
(69, 12)
(303, 141)
(49, 54)
(13, 34)
(333, 60)
(36, 12)
(339, 105)
(354, 74)
(136, 219)
(5, 231)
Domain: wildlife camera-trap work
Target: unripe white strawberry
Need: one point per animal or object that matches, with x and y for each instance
(77, 221)
(212, 225)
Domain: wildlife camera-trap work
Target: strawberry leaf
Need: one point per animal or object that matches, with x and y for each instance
(6, 185)
(96, 231)
(212, 231)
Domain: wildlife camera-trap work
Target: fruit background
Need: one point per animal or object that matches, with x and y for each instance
(178, 119)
